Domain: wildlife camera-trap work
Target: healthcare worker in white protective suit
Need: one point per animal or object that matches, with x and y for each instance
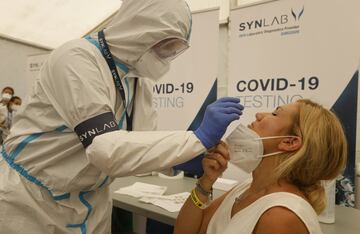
(66, 146)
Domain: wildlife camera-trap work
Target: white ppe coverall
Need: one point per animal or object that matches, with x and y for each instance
(50, 182)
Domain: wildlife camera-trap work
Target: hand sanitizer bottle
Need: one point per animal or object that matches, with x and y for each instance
(328, 215)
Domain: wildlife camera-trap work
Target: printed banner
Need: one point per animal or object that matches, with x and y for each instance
(34, 64)
(281, 51)
(183, 94)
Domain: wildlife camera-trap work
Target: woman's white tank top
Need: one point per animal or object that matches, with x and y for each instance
(245, 220)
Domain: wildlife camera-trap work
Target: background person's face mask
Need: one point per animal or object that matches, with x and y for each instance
(15, 107)
(6, 96)
(246, 148)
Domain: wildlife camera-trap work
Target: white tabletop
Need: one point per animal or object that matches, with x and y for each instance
(347, 220)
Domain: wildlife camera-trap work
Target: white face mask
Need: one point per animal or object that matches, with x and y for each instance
(246, 148)
(151, 66)
(6, 96)
(15, 107)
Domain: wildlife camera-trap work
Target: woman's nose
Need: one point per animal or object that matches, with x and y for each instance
(258, 116)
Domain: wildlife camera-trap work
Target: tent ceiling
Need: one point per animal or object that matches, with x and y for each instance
(51, 22)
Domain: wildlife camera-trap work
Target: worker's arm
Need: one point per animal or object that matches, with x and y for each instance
(122, 153)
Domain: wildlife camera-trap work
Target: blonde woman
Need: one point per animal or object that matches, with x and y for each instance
(302, 144)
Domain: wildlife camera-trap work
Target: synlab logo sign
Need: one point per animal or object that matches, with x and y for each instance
(297, 16)
(270, 21)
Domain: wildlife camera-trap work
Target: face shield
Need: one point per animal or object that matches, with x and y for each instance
(169, 49)
(155, 62)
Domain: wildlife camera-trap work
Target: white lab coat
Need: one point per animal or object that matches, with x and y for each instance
(49, 183)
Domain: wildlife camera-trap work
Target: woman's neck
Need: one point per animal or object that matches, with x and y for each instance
(262, 175)
(264, 181)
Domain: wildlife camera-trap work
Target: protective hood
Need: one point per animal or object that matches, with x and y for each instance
(140, 24)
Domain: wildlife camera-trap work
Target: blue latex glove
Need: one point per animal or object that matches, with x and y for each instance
(218, 115)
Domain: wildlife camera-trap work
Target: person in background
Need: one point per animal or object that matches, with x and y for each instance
(6, 116)
(14, 103)
(290, 152)
(13, 106)
(89, 119)
(6, 95)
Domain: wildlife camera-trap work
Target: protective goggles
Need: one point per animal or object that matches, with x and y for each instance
(170, 48)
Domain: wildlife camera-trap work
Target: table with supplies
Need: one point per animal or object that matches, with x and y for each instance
(347, 220)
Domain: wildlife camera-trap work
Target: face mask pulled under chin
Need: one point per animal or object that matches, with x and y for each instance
(246, 148)
(151, 66)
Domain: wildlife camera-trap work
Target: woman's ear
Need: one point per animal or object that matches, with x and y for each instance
(290, 144)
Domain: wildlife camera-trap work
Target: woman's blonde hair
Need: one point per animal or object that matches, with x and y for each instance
(322, 156)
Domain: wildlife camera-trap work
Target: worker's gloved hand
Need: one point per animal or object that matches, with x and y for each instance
(218, 115)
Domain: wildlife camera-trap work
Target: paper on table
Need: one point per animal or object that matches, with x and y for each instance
(171, 203)
(139, 189)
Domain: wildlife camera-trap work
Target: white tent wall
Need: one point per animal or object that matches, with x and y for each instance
(196, 5)
(51, 23)
(18, 49)
(13, 66)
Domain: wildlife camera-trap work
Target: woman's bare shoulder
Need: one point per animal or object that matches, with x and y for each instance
(280, 220)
